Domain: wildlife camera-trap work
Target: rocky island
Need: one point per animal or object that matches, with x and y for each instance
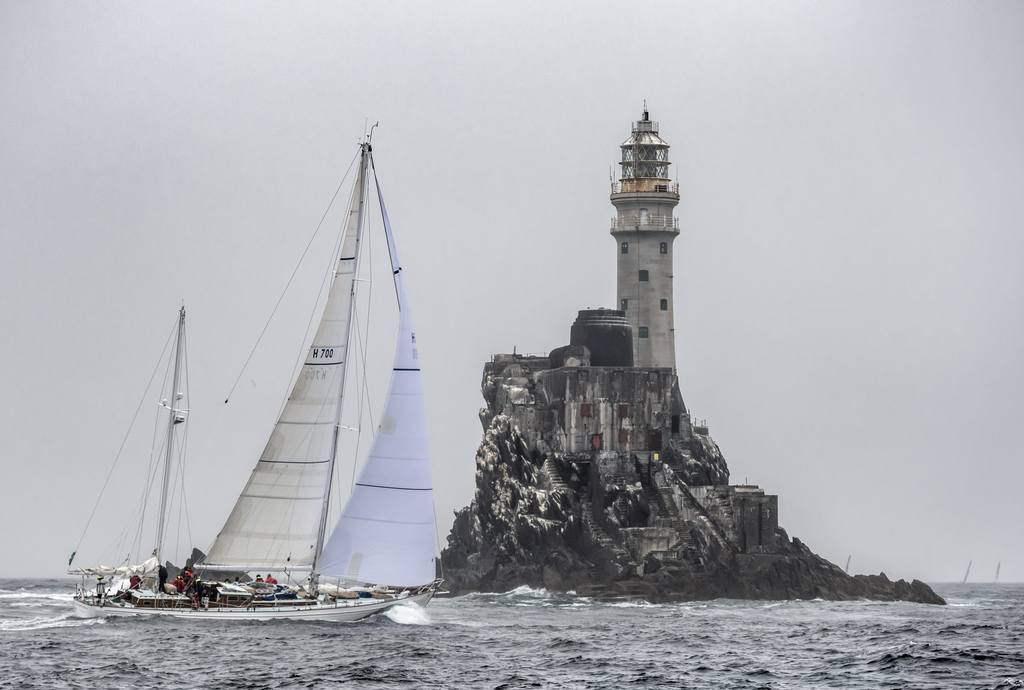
(593, 477)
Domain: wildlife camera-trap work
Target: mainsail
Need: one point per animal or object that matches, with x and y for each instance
(276, 520)
(386, 532)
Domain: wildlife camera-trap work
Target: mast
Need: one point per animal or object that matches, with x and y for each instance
(173, 420)
(967, 572)
(321, 533)
(386, 533)
(998, 566)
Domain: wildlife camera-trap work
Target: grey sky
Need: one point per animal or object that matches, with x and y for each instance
(849, 292)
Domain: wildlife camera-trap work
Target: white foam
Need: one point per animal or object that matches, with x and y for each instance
(408, 614)
(63, 621)
(528, 591)
(640, 604)
(51, 596)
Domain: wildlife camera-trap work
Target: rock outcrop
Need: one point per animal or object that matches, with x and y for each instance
(558, 509)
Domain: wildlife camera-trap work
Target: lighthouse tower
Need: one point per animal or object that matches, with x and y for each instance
(644, 228)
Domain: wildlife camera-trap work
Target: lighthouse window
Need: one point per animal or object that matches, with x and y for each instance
(625, 247)
(624, 304)
(643, 331)
(664, 305)
(663, 247)
(644, 277)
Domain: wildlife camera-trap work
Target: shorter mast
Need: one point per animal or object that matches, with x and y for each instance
(321, 533)
(173, 420)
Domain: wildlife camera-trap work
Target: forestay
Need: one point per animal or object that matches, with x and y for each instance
(276, 519)
(386, 532)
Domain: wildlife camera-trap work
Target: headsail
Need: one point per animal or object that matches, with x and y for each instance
(386, 532)
(276, 519)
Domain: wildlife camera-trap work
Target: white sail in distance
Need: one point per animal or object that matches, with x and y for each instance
(275, 522)
(386, 532)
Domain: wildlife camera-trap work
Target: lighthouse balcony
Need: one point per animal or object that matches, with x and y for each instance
(645, 185)
(645, 221)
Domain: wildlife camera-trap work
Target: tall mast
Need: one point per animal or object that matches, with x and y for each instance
(326, 503)
(173, 420)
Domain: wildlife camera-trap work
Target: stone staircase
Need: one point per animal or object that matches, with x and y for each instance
(667, 510)
(654, 500)
(705, 519)
(597, 532)
(554, 479)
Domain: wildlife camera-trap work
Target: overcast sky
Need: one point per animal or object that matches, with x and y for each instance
(849, 284)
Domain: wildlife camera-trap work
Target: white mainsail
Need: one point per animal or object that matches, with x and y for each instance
(386, 532)
(276, 520)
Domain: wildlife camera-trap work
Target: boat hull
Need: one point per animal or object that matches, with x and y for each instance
(342, 612)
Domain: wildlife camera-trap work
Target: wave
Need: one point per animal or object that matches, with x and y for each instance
(49, 596)
(527, 591)
(63, 621)
(635, 604)
(408, 614)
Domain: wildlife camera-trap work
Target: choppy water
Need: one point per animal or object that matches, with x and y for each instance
(529, 638)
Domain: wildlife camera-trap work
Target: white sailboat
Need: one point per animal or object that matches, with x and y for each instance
(381, 552)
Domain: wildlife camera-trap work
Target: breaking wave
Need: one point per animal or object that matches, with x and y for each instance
(408, 614)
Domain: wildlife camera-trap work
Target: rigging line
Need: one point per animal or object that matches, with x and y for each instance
(117, 456)
(328, 279)
(437, 537)
(363, 395)
(385, 222)
(369, 313)
(184, 443)
(154, 452)
(182, 504)
(144, 502)
(363, 343)
(290, 279)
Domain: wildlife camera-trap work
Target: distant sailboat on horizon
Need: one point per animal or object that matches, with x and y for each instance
(967, 572)
(999, 565)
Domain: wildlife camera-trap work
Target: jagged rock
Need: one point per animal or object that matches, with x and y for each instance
(524, 527)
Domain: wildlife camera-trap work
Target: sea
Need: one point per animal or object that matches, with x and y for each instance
(529, 638)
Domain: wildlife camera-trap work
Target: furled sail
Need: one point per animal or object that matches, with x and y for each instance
(386, 532)
(275, 521)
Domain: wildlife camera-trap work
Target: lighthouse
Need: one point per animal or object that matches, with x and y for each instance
(644, 229)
